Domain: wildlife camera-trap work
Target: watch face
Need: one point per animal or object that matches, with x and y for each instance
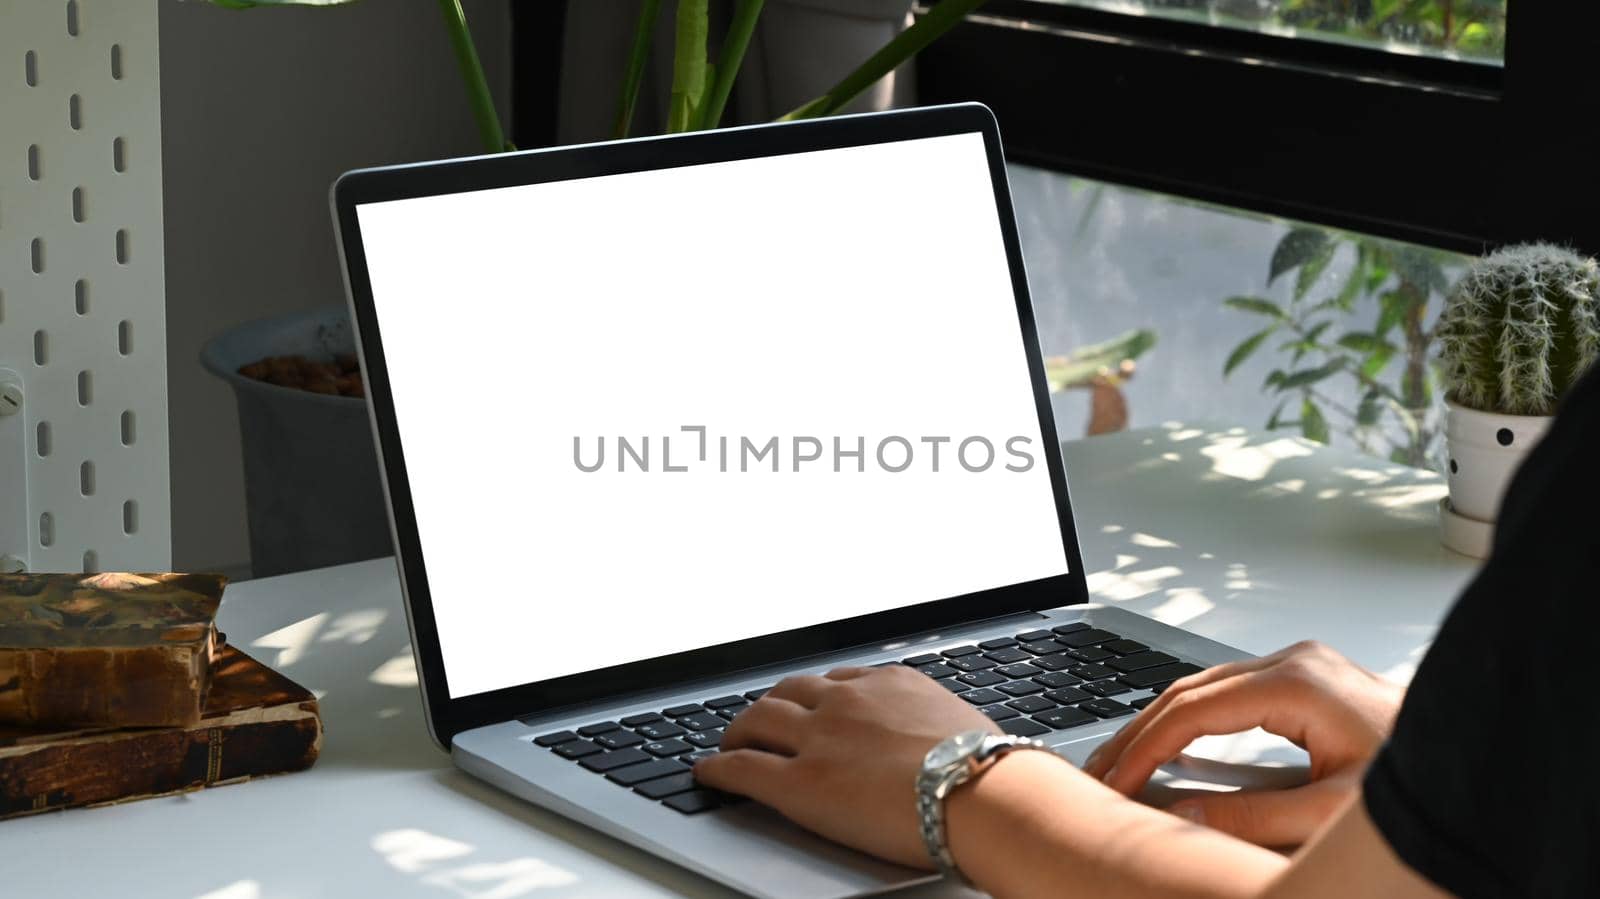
(952, 750)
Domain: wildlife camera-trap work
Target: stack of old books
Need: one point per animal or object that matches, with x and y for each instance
(118, 686)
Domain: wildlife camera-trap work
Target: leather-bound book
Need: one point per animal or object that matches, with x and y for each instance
(256, 722)
(106, 650)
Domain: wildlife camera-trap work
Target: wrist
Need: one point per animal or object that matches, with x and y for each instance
(979, 813)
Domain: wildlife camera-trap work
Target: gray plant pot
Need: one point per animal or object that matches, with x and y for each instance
(310, 470)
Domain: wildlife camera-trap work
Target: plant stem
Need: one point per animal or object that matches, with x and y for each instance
(483, 111)
(643, 35)
(688, 65)
(734, 44)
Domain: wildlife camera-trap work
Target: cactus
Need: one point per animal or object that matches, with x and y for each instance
(1519, 329)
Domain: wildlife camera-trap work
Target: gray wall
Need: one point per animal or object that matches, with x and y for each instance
(261, 110)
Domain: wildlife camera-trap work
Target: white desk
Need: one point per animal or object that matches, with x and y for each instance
(1251, 539)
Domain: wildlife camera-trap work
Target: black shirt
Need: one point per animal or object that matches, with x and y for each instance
(1490, 784)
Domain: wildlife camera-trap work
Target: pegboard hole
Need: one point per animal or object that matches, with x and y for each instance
(119, 155)
(91, 561)
(41, 439)
(86, 478)
(125, 337)
(116, 62)
(128, 433)
(38, 255)
(85, 388)
(122, 246)
(78, 214)
(75, 112)
(30, 68)
(47, 529)
(72, 17)
(130, 517)
(41, 347)
(80, 297)
(34, 172)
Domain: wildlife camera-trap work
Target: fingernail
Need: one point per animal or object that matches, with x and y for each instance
(1189, 812)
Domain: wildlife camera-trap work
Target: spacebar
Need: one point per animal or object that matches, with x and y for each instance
(1141, 680)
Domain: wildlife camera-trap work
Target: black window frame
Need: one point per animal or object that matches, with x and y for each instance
(1458, 155)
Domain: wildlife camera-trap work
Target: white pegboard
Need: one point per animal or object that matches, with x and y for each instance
(82, 296)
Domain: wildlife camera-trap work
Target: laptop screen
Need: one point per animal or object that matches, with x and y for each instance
(651, 412)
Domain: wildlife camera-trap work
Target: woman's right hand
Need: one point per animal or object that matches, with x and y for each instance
(1337, 711)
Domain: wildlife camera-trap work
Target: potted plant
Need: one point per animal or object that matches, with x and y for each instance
(1515, 334)
(312, 488)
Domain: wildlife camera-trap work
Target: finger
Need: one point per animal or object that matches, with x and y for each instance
(762, 776)
(771, 723)
(1228, 707)
(1275, 818)
(804, 689)
(849, 672)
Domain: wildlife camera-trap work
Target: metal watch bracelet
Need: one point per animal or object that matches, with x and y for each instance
(948, 765)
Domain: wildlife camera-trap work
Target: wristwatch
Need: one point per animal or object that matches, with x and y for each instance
(947, 766)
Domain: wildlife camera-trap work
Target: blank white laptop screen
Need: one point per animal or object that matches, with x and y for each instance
(784, 373)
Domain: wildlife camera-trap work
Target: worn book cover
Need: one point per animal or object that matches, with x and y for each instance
(256, 722)
(112, 650)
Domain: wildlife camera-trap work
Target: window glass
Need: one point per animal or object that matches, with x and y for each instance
(1470, 30)
(1255, 320)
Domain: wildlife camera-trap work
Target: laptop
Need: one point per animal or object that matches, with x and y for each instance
(664, 420)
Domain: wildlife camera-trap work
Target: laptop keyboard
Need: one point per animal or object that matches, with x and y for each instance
(1032, 684)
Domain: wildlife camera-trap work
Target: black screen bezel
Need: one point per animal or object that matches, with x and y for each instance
(448, 716)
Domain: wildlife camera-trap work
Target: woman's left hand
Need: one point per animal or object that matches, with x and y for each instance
(840, 754)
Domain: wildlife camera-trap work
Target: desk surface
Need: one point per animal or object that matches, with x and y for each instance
(1254, 540)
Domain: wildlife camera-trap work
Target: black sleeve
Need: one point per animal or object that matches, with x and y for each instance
(1488, 785)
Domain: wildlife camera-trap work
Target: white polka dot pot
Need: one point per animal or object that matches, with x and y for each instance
(1483, 451)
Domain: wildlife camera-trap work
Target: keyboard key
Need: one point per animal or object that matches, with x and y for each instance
(983, 696)
(981, 679)
(608, 760)
(1090, 654)
(1007, 655)
(1043, 647)
(972, 663)
(1031, 704)
(937, 671)
(664, 748)
(697, 755)
(1061, 719)
(1087, 637)
(753, 695)
(1140, 661)
(1141, 702)
(927, 658)
(1021, 669)
(595, 730)
(575, 749)
(1021, 688)
(1106, 688)
(999, 712)
(722, 702)
(1033, 636)
(1091, 671)
(1024, 727)
(1106, 708)
(1164, 674)
(560, 736)
(997, 643)
(619, 739)
(1057, 679)
(636, 720)
(701, 721)
(693, 802)
(953, 685)
(662, 787)
(731, 712)
(1054, 662)
(1124, 647)
(628, 775)
(1073, 628)
(706, 739)
(960, 651)
(661, 730)
(688, 708)
(1068, 695)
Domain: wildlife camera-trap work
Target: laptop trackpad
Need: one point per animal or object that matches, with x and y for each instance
(1253, 760)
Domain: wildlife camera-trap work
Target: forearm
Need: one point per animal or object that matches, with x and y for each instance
(1033, 825)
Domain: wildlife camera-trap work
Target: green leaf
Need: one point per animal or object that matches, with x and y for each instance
(1308, 376)
(688, 65)
(1376, 363)
(1370, 410)
(1298, 247)
(1274, 378)
(1362, 342)
(734, 44)
(643, 32)
(1392, 308)
(1275, 420)
(1258, 305)
(1313, 426)
(925, 30)
(1312, 270)
(1084, 364)
(1400, 455)
(1245, 349)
